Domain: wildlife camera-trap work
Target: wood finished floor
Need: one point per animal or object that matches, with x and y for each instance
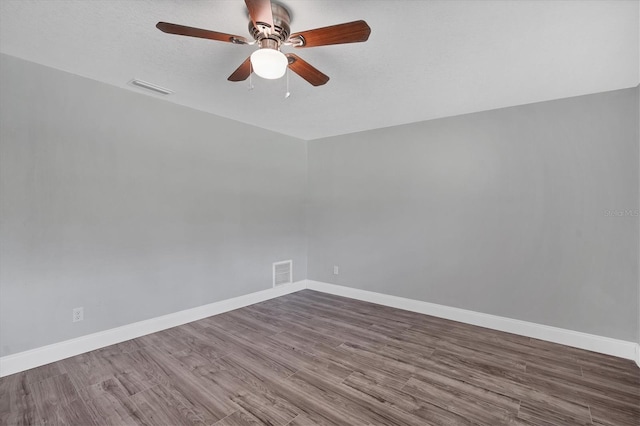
(311, 358)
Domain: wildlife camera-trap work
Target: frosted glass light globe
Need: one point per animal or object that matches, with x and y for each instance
(269, 63)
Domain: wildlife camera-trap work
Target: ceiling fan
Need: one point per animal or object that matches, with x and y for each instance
(269, 27)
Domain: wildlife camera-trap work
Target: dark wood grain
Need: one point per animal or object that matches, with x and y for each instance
(310, 358)
(349, 32)
(177, 29)
(307, 71)
(242, 72)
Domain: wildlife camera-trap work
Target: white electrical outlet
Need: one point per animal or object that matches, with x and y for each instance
(78, 314)
(336, 270)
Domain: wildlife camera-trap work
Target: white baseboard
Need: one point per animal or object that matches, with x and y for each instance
(46, 354)
(591, 342)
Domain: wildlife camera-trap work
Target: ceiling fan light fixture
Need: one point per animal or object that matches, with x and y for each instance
(269, 63)
(269, 27)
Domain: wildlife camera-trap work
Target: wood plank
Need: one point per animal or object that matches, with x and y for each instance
(52, 393)
(75, 413)
(353, 407)
(161, 407)
(108, 402)
(584, 388)
(459, 400)
(17, 406)
(615, 414)
(87, 369)
(382, 389)
(209, 404)
(44, 372)
(239, 418)
(266, 407)
(509, 383)
(537, 414)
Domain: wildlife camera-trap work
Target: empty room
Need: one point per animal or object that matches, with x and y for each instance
(320, 212)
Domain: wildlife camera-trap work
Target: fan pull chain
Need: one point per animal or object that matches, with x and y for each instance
(287, 94)
(250, 74)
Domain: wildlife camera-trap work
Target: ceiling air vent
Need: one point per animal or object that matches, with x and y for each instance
(282, 273)
(150, 86)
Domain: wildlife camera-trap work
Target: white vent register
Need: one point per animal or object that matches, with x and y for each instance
(282, 273)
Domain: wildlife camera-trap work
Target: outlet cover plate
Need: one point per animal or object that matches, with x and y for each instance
(78, 314)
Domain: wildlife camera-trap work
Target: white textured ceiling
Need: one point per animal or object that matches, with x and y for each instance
(424, 59)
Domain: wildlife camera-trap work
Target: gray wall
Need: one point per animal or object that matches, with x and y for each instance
(501, 212)
(132, 207)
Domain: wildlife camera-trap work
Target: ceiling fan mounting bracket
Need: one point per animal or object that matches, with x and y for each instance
(281, 26)
(269, 43)
(297, 41)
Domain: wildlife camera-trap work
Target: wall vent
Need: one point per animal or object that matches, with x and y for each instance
(282, 273)
(151, 86)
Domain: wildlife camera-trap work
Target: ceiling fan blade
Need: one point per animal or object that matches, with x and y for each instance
(306, 71)
(350, 32)
(260, 12)
(199, 33)
(242, 72)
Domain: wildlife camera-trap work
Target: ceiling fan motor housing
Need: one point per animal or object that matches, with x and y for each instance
(279, 34)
